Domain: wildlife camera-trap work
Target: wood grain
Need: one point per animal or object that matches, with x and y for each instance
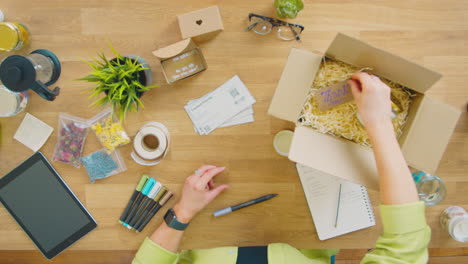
(431, 32)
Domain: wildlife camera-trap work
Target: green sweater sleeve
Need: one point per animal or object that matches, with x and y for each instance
(150, 252)
(405, 236)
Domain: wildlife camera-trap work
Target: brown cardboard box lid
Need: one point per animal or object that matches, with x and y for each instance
(174, 49)
(334, 156)
(429, 134)
(294, 84)
(200, 22)
(383, 63)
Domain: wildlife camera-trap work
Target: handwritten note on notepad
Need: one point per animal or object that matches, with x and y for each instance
(321, 191)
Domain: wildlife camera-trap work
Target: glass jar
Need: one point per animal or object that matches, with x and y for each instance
(431, 189)
(44, 67)
(13, 36)
(12, 103)
(455, 221)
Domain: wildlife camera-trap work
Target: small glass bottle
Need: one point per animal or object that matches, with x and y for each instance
(431, 189)
(455, 221)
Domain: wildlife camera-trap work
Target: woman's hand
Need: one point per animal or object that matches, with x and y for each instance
(198, 191)
(372, 98)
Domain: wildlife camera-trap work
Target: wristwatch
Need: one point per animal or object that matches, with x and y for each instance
(171, 220)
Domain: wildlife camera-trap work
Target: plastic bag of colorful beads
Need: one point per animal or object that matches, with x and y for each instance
(71, 138)
(101, 164)
(109, 130)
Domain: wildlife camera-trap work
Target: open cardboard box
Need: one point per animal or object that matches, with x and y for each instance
(426, 133)
(181, 60)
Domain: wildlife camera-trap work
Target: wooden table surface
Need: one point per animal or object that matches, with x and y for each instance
(432, 32)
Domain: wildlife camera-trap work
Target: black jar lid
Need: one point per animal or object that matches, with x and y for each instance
(17, 73)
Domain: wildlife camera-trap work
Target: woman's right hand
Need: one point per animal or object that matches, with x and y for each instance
(198, 191)
(372, 98)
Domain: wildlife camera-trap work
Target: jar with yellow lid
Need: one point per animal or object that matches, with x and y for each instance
(13, 36)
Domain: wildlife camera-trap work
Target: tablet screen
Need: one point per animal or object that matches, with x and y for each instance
(43, 205)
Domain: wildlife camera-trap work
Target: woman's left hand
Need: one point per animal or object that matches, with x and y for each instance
(198, 191)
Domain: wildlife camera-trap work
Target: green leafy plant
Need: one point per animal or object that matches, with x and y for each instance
(119, 80)
(288, 8)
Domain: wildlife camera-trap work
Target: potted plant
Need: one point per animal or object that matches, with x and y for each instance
(288, 8)
(123, 80)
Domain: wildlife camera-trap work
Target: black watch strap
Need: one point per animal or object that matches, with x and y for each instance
(171, 220)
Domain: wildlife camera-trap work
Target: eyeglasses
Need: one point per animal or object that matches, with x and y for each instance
(263, 25)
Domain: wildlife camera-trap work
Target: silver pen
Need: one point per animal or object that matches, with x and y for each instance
(338, 207)
(243, 205)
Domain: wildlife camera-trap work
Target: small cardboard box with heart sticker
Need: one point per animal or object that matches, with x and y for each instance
(201, 24)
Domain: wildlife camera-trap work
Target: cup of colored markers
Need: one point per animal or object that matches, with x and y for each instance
(149, 196)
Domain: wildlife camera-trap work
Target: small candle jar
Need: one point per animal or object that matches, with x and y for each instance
(282, 142)
(455, 221)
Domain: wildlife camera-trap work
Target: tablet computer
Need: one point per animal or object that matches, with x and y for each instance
(44, 206)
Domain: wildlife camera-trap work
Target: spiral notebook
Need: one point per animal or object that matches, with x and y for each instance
(321, 191)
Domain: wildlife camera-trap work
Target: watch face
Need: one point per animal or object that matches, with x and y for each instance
(171, 220)
(169, 217)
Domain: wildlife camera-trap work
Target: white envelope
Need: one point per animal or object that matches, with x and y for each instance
(214, 109)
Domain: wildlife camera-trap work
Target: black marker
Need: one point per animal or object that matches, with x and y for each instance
(150, 206)
(163, 201)
(134, 196)
(146, 189)
(152, 193)
(242, 205)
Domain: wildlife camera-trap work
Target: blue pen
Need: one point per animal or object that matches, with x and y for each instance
(146, 189)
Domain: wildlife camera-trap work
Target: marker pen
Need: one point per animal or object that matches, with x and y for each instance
(134, 196)
(148, 186)
(160, 204)
(243, 205)
(150, 206)
(144, 203)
